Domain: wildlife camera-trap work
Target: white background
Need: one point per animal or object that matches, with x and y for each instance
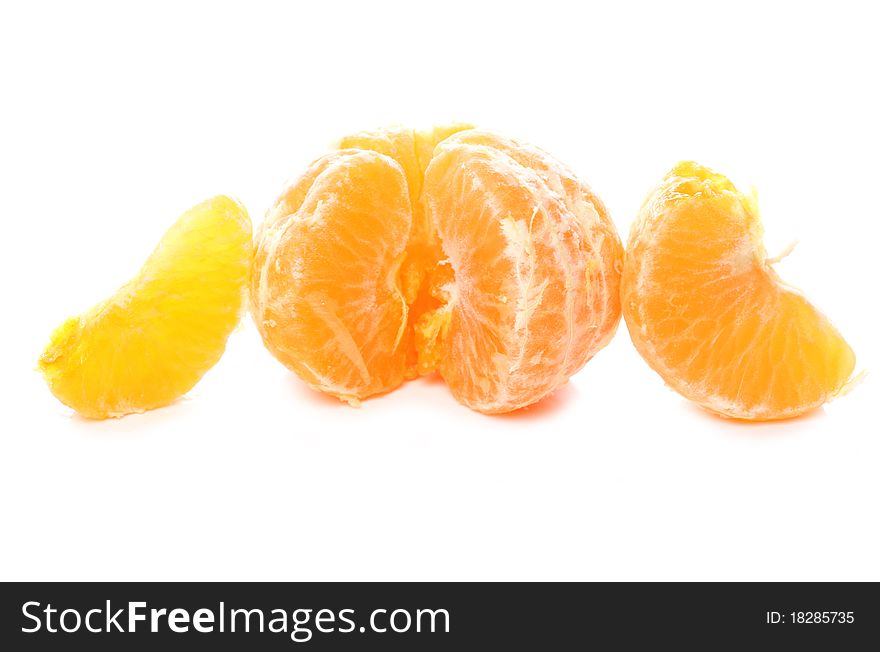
(114, 119)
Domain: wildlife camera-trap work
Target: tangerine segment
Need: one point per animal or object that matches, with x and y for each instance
(708, 313)
(153, 340)
(530, 293)
(326, 296)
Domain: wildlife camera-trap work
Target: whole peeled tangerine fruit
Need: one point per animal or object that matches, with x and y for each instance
(454, 250)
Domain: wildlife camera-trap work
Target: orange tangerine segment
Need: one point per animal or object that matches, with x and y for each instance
(595, 313)
(153, 340)
(708, 313)
(531, 290)
(326, 295)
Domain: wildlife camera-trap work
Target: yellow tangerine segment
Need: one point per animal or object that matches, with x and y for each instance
(153, 340)
(708, 313)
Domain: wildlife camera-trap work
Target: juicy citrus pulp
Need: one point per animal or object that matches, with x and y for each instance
(707, 311)
(153, 340)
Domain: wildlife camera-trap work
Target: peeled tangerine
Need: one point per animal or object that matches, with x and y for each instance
(455, 250)
(153, 340)
(708, 313)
